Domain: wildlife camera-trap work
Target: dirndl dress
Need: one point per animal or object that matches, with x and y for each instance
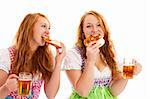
(102, 79)
(98, 92)
(6, 65)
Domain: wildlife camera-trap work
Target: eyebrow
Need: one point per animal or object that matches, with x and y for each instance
(89, 23)
(46, 24)
(96, 23)
(43, 23)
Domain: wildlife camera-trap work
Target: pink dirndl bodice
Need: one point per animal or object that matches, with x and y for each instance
(36, 84)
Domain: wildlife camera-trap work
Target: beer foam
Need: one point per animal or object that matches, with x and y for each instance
(25, 79)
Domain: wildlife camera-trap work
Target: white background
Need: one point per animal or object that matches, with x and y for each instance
(129, 22)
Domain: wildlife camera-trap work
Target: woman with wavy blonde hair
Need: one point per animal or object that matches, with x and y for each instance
(91, 65)
(30, 53)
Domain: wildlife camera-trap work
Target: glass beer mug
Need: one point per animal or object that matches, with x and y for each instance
(128, 68)
(24, 82)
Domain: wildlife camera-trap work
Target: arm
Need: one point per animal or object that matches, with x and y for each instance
(119, 85)
(83, 81)
(7, 84)
(52, 86)
(3, 90)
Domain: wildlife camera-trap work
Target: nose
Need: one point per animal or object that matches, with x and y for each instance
(94, 31)
(46, 33)
(95, 28)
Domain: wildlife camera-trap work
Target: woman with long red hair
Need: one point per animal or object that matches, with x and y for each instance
(30, 53)
(91, 65)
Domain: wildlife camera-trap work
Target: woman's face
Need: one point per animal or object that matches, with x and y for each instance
(91, 26)
(41, 29)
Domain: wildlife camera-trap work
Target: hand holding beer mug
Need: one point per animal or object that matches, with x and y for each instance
(128, 68)
(24, 82)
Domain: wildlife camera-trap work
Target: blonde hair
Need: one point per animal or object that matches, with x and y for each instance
(41, 60)
(107, 50)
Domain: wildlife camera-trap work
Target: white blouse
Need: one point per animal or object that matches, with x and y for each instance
(5, 63)
(5, 60)
(73, 61)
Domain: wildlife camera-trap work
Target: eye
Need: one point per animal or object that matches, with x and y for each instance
(44, 26)
(98, 25)
(49, 28)
(88, 26)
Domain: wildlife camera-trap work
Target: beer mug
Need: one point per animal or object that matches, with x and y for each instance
(128, 68)
(24, 83)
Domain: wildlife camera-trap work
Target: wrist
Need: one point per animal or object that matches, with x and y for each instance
(58, 60)
(90, 63)
(4, 90)
(5, 87)
(57, 66)
(125, 79)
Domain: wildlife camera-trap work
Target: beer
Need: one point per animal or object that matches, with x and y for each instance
(24, 83)
(24, 87)
(128, 71)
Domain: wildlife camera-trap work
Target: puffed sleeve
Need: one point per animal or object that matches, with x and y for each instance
(72, 60)
(4, 60)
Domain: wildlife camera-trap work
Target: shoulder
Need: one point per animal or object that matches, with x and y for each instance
(4, 51)
(74, 51)
(72, 59)
(5, 60)
(4, 54)
(74, 54)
